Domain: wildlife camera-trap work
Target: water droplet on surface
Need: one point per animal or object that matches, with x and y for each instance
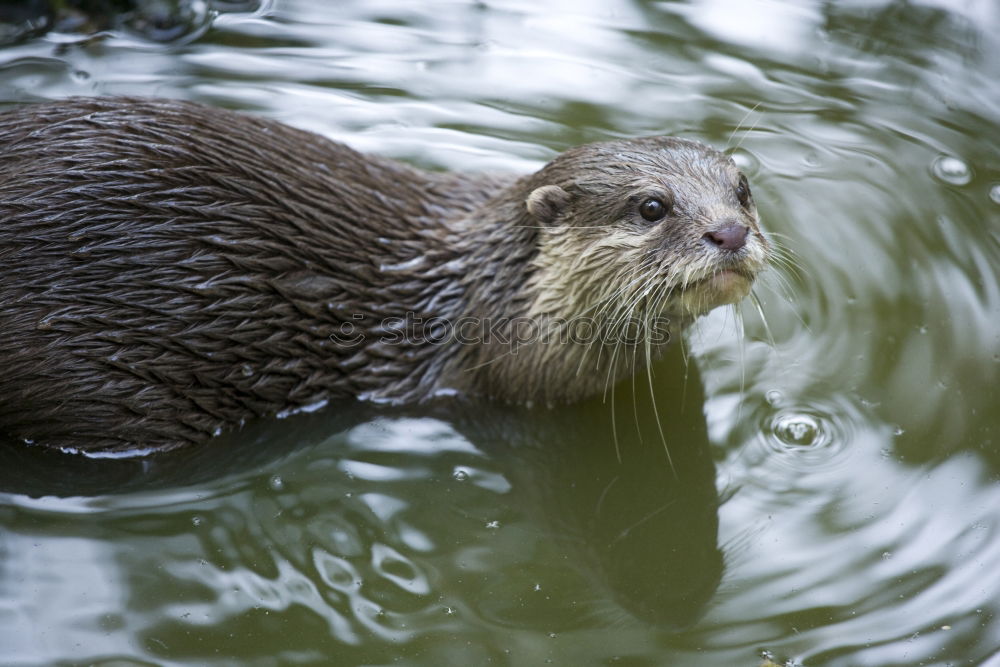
(276, 483)
(951, 170)
(246, 370)
(808, 437)
(800, 430)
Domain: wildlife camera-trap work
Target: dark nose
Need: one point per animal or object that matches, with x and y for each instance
(728, 237)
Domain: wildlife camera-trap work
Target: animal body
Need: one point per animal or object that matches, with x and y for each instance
(169, 270)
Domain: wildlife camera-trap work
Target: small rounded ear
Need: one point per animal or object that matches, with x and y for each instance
(546, 203)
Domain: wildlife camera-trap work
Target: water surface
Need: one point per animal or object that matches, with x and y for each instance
(833, 496)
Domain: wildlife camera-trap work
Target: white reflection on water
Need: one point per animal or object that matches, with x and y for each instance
(882, 566)
(762, 24)
(59, 595)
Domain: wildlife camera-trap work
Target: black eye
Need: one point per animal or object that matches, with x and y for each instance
(743, 191)
(653, 209)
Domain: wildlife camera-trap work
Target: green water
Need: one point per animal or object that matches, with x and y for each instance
(833, 495)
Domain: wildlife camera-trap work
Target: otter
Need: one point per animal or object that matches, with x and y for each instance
(170, 270)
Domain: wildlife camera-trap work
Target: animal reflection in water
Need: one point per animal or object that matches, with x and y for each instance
(638, 529)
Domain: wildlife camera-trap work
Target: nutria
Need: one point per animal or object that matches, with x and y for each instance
(170, 270)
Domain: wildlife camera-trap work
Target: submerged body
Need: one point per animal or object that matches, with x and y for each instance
(168, 270)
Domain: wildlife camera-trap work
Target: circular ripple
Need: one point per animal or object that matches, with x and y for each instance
(807, 438)
(801, 430)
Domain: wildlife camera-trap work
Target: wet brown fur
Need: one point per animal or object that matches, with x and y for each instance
(168, 270)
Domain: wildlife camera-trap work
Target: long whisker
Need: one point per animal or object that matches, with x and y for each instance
(635, 400)
(750, 129)
(740, 124)
(614, 425)
(603, 303)
(656, 412)
(741, 334)
(687, 367)
(760, 312)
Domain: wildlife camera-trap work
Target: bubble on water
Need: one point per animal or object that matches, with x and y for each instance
(81, 75)
(951, 170)
(995, 193)
(459, 475)
(493, 525)
(197, 521)
(246, 370)
(773, 397)
(276, 483)
(797, 429)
